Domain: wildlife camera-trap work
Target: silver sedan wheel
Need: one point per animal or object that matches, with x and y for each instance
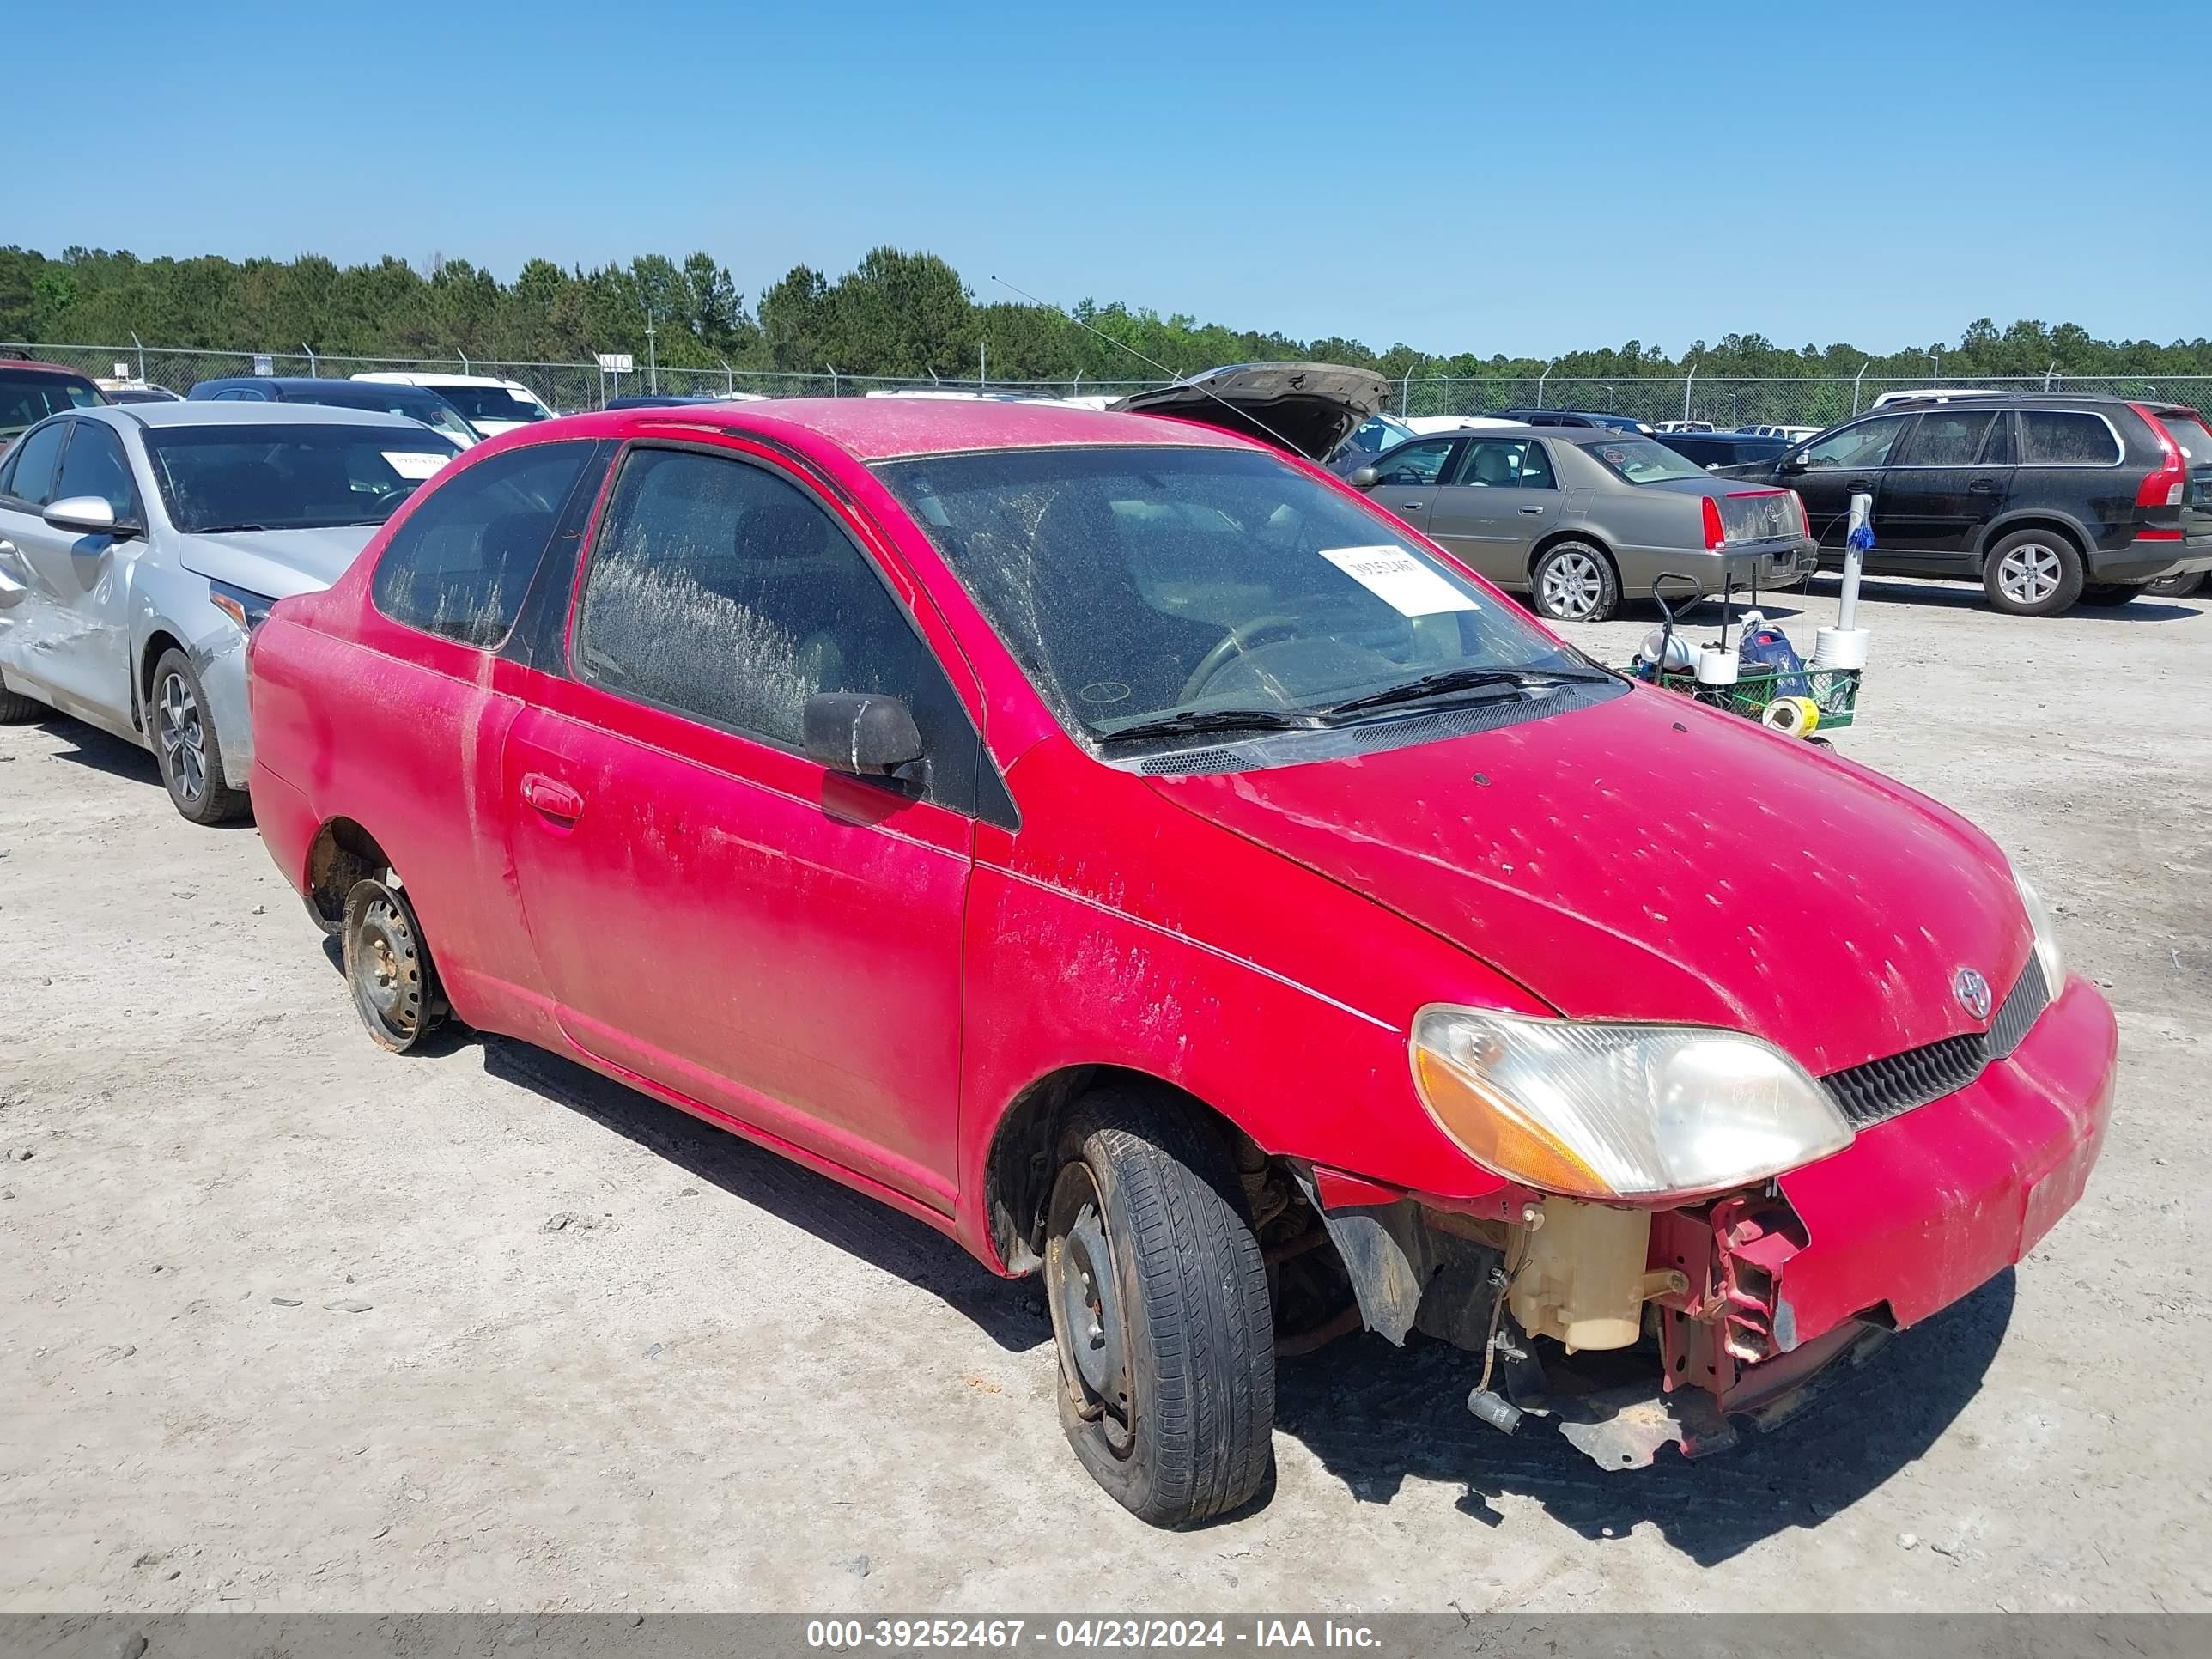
(182, 738)
(2029, 574)
(1573, 586)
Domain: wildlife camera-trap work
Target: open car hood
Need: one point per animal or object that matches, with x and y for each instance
(1307, 408)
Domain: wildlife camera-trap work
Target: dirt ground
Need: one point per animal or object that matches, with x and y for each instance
(602, 1356)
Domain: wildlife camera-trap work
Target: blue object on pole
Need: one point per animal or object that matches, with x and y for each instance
(1861, 537)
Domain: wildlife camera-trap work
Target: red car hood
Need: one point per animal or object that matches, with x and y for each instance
(1645, 858)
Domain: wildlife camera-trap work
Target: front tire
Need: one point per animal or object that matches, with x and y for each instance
(15, 708)
(2033, 573)
(1160, 1312)
(1573, 581)
(187, 746)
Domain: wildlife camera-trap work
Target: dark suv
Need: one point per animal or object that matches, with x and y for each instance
(2046, 501)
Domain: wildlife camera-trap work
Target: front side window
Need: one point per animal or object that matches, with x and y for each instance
(1134, 583)
(720, 590)
(2066, 438)
(1867, 444)
(1506, 463)
(30, 472)
(460, 565)
(1643, 460)
(267, 477)
(1416, 463)
(95, 465)
(1947, 438)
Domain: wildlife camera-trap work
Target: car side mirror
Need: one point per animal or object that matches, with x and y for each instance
(863, 732)
(1790, 466)
(88, 515)
(1364, 478)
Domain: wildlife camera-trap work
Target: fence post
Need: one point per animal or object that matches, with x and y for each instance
(464, 356)
(1541, 379)
(833, 380)
(1689, 382)
(1405, 394)
(729, 380)
(141, 347)
(314, 368)
(2047, 373)
(1856, 378)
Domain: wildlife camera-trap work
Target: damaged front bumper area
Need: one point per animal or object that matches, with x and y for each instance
(1635, 1329)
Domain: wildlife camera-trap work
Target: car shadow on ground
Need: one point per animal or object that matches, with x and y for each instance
(1968, 596)
(1376, 1416)
(1011, 1313)
(88, 746)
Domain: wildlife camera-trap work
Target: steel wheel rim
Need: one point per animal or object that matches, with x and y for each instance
(182, 736)
(1572, 586)
(1087, 1322)
(2029, 574)
(387, 970)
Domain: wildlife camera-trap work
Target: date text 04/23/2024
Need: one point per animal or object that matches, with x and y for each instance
(1011, 1635)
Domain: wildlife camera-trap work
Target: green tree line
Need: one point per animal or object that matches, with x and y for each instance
(895, 312)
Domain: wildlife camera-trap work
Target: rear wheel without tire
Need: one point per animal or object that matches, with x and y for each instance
(2110, 592)
(2033, 573)
(395, 989)
(185, 744)
(1160, 1312)
(1573, 581)
(2177, 587)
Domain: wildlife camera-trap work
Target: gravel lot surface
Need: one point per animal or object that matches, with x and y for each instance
(288, 1323)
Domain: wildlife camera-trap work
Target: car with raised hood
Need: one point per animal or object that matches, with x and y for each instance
(416, 403)
(2047, 500)
(141, 545)
(1581, 519)
(487, 402)
(1127, 850)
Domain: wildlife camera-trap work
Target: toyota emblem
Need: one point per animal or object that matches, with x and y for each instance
(1972, 992)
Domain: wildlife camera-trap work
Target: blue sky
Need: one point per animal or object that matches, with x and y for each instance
(1520, 178)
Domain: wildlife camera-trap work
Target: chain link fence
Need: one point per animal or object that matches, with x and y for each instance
(1724, 401)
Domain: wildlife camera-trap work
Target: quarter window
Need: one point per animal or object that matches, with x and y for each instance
(1416, 463)
(460, 564)
(1867, 444)
(721, 591)
(31, 473)
(96, 466)
(2066, 438)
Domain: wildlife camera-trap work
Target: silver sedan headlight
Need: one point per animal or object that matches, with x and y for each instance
(1599, 1110)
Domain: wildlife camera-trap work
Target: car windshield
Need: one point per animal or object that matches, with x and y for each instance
(490, 402)
(289, 477)
(1643, 460)
(29, 395)
(1139, 584)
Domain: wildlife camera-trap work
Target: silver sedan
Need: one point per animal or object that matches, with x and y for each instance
(1580, 519)
(141, 545)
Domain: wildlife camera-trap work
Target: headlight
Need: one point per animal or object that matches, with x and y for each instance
(2047, 937)
(249, 610)
(1597, 1111)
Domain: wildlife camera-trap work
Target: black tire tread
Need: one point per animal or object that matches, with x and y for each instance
(219, 803)
(15, 708)
(1204, 1318)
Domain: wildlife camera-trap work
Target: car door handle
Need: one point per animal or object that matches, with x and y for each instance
(1860, 483)
(1983, 487)
(1409, 506)
(1534, 512)
(551, 797)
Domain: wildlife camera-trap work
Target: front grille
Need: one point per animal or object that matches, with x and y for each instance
(1884, 1089)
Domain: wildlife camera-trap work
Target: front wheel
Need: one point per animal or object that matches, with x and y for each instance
(1574, 582)
(2033, 573)
(1160, 1312)
(186, 745)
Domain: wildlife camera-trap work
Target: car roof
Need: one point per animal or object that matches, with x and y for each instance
(410, 377)
(883, 429)
(186, 412)
(38, 368)
(313, 383)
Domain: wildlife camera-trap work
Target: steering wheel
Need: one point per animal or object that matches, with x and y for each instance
(1233, 644)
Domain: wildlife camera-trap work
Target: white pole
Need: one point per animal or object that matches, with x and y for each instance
(1687, 384)
(1854, 561)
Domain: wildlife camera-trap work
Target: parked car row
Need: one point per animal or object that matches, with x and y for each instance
(1120, 845)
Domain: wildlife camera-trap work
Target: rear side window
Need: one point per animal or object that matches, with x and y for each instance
(30, 476)
(96, 466)
(460, 564)
(1947, 438)
(721, 591)
(2066, 438)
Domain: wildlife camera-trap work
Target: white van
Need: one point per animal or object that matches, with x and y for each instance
(490, 405)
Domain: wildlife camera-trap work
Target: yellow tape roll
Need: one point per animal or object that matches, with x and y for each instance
(1793, 717)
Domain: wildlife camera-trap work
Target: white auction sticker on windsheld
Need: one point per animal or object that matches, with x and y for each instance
(1399, 580)
(414, 463)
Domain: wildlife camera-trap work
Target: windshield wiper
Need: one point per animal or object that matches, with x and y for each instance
(1213, 720)
(1447, 680)
(227, 529)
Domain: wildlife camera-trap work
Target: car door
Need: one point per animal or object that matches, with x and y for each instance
(28, 471)
(1943, 483)
(771, 941)
(1410, 475)
(1828, 470)
(80, 658)
(1502, 496)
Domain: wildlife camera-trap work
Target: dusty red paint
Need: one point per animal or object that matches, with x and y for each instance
(867, 982)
